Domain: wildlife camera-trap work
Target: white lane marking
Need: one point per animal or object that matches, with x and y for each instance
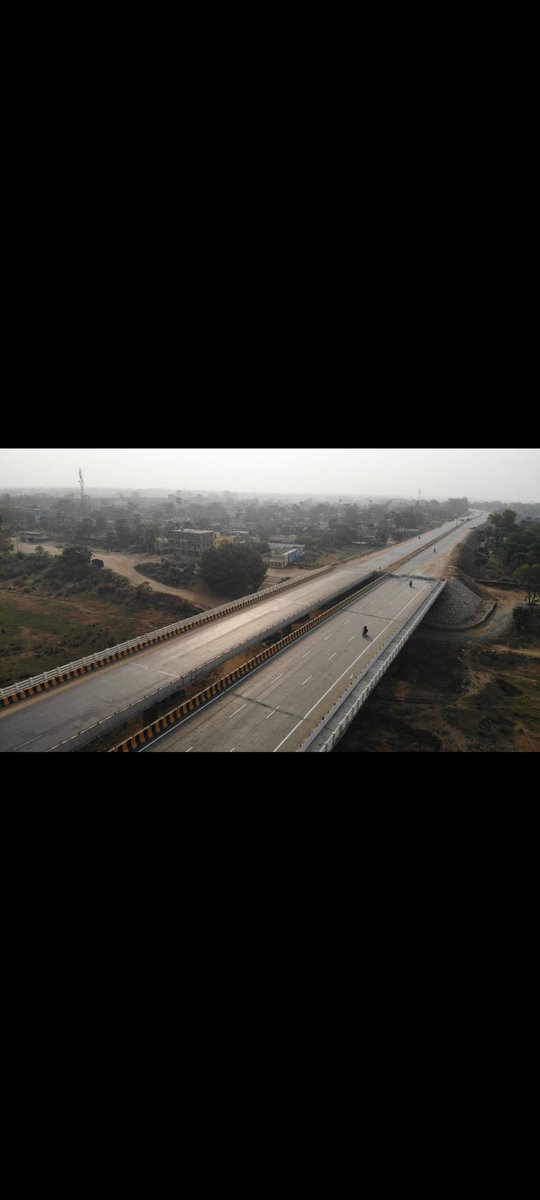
(190, 748)
(332, 656)
(230, 751)
(272, 713)
(329, 636)
(306, 680)
(196, 713)
(237, 711)
(340, 677)
(347, 622)
(34, 739)
(288, 736)
(305, 655)
(353, 637)
(175, 729)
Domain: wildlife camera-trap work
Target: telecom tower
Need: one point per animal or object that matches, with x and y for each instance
(81, 485)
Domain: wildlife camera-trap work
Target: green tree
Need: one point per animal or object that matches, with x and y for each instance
(41, 558)
(234, 570)
(456, 506)
(522, 545)
(529, 576)
(124, 532)
(143, 592)
(73, 564)
(86, 529)
(5, 538)
(77, 555)
(481, 557)
(502, 523)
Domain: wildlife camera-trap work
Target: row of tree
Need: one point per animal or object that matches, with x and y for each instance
(515, 548)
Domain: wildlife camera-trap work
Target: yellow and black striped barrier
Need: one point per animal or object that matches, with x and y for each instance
(151, 640)
(55, 681)
(205, 618)
(186, 708)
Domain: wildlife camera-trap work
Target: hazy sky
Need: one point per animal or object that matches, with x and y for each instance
(504, 475)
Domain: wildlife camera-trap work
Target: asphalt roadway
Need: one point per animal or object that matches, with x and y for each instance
(277, 707)
(43, 721)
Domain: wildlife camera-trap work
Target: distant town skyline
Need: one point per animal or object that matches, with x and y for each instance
(490, 474)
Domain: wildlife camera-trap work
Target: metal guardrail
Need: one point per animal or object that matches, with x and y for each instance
(100, 657)
(91, 732)
(134, 741)
(146, 639)
(343, 725)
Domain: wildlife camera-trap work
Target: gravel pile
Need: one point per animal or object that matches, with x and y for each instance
(458, 607)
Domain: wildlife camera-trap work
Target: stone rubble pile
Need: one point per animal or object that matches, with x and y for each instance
(458, 607)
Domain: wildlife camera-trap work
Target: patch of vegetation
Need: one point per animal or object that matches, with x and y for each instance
(504, 550)
(233, 570)
(173, 576)
(75, 571)
(35, 637)
(54, 610)
(526, 626)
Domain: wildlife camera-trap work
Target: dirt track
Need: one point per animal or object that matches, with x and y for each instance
(29, 547)
(124, 564)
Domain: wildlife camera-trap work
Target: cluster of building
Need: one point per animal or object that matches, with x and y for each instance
(185, 547)
(282, 554)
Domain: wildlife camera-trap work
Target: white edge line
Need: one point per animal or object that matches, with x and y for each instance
(340, 677)
(239, 682)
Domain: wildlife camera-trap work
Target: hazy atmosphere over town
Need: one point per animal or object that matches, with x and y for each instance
(502, 474)
(269, 600)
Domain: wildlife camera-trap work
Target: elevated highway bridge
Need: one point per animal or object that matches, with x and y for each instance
(286, 702)
(78, 711)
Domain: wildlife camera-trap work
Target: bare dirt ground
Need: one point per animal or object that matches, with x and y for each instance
(124, 564)
(30, 547)
(457, 690)
(497, 624)
(452, 694)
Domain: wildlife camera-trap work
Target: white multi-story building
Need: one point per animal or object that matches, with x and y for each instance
(186, 546)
